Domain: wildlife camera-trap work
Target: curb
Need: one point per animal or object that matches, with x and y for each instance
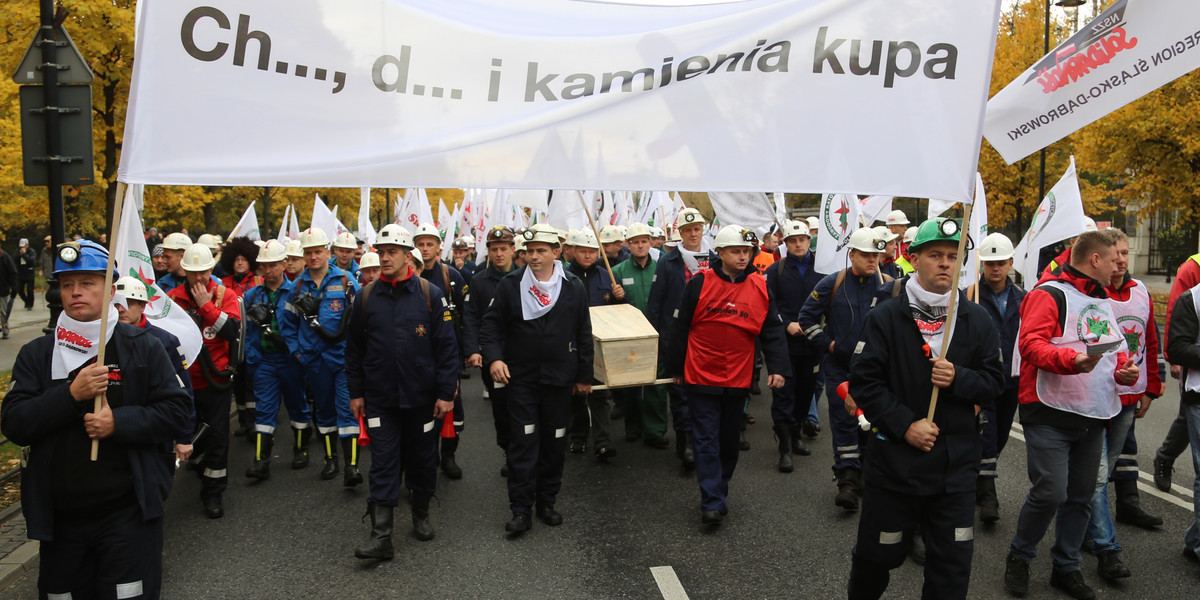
(19, 561)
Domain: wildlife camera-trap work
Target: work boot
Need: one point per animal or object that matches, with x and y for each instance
(520, 522)
(330, 470)
(1162, 472)
(1111, 567)
(683, 450)
(549, 516)
(985, 497)
(449, 467)
(783, 436)
(916, 550)
(213, 507)
(261, 470)
(1073, 584)
(300, 449)
(799, 448)
(351, 476)
(848, 494)
(1129, 507)
(743, 443)
(379, 545)
(422, 528)
(1016, 576)
(242, 430)
(250, 415)
(810, 429)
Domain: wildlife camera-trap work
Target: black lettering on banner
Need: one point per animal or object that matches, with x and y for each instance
(187, 33)
(904, 59)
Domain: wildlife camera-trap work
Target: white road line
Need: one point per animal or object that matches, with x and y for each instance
(1018, 433)
(668, 583)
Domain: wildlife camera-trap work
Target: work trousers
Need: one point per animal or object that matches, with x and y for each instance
(404, 441)
(537, 445)
(113, 554)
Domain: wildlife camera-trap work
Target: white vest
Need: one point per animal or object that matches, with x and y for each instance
(1131, 321)
(1088, 394)
(1191, 383)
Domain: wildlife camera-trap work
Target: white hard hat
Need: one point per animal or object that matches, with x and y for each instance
(864, 240)
(675, 237)
(465, 241)
(897, 217)
(735, 235)
(198, 258)
(689, 216)
(132, 288)
(272, 252)
(610, 234)
(571, 235)
(542, 233)
(210, 241)
(637, 230)
(910, 234)
(1089, 224)
(427, 229)
(293, 249)
(622, 229)
(313, 237)
(261, 244)
(883, 232)
(792, 228)
(995, 247)
(176, 241)
(519, 244)
(369, 259)
(345, 240)
(656, 232)
(416, 258)
(395, 235)
(585, 239)
(813, 223)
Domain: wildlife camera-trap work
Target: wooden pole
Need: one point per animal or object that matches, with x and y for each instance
(951, 312)
(597, 234)
(118, 206)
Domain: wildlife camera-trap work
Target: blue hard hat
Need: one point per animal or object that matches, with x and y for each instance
(83, 256)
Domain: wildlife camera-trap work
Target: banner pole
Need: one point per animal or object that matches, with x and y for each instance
(118, 206)
(597, 234)
(951, 308)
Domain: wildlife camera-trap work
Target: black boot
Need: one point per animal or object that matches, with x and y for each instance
(1129, 507)
(985, 497)
(330, 470)
(351, 476)
(743, 443)
(300, 449)
(379, 545)
(683, 450)
(246, 417)
(849, 489)
(799, 448)
(242, 430)
(783, 436)
(422, 528)
(449, 467)
(261, 469)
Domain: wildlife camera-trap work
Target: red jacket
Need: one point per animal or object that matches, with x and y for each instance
(1154, 384)
(1186, 279)
(243, 286)
(218, 326)
(1039, 323)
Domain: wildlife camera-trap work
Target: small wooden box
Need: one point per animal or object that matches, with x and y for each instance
(626, 346)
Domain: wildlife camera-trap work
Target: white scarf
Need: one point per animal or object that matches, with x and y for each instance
(76, 342)
(538, 297)
(695, 261)
(929, 311)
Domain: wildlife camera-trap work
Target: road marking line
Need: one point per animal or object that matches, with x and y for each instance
(1018, 433)
(668, 583)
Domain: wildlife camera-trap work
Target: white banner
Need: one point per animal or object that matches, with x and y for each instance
(839, 218)
(1133, 48)
(752, 210)
(1059, 217)
(549, 94)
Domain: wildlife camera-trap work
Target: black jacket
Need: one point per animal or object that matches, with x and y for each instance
(27, 263)
(1008, 324)
(1183, 341)
(398, 352)
(770, 338)
(667, 289)
(553, 349)
(475, 302)
(890, 382)
(789, 289)
(38, 410)
(8, 275)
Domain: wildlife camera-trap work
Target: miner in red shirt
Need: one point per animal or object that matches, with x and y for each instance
(724, 310)
(216, 311)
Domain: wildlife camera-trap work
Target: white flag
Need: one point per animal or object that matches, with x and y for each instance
(978, 229)
(293, 224)
(133, 259)
(366, 231)
(748, 209)
(780, 207)
(416, 209)
(1060, 216)
(323, 219)
(247, 226)
(839, 218)
(875, 208)
(283, 224)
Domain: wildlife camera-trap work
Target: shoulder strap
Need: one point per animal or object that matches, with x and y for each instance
(219, 296)
(446, 277)
(425, 292)
(895, 288)
(779, 266)
(366, 292)
(837, 282)
(258, 280)
(971, 291)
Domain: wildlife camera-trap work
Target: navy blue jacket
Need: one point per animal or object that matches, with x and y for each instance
(844, 316)
(175, 351)
(622, 255)
(789, 289)
(398, 353)
(597, 282)
(553, 349)
(458, 285)
(483, 288)
(1007, 324)
(38, 411)
(667, 291)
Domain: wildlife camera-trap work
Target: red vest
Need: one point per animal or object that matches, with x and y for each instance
(727, 318)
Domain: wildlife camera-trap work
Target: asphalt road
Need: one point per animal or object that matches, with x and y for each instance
(293, 536)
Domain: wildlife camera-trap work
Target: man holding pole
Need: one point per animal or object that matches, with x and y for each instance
(920, 469)
(100, 521)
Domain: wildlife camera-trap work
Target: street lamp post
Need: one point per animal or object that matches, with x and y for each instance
(1045, 51)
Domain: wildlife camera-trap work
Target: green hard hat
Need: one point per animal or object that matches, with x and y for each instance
(940, 229)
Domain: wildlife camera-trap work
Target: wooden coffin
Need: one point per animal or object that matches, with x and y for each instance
(626, 346)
